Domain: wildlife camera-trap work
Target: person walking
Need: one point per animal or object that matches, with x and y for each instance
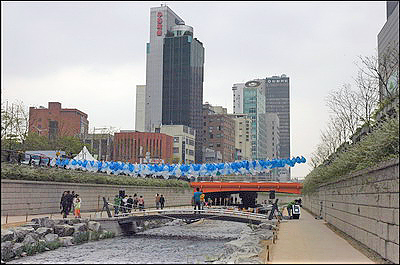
(157, 201)
(202, 201)
(289, 209)
(162, 202)
(77, 206)
(117, 202)
(196, 196)
(130, 203)
(63, 204)
(141, 203)
(135, 202)
(73, 202)
(125, 204)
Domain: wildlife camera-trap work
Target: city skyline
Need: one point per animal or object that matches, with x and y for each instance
(94, 61)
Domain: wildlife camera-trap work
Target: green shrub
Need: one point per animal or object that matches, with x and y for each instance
(380, 145)
(81, 237)
(53, 245)
(94, 236)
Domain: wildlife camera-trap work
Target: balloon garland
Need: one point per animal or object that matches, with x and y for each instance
(243, 167)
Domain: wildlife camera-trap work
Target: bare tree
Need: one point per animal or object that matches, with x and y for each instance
(383, 68)
(367, 96)
(344, 104)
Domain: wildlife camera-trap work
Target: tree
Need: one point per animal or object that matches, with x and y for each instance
(14, 124)
(384, 69)
(343, 103)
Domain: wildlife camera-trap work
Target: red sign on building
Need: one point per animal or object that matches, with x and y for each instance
(159, 23)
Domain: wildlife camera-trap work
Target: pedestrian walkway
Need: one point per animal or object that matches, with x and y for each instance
(309, 240)
(10, 221)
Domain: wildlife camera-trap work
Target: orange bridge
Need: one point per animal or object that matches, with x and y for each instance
(286, 187)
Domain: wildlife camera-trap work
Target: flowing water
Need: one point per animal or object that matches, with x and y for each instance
(199, 242)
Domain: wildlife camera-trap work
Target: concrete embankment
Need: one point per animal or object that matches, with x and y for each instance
(20, 197)
(364, 206)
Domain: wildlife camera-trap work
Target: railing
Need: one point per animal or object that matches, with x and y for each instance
(220, 212)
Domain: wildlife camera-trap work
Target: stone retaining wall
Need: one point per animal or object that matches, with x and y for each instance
(365, 206)
(19, 197)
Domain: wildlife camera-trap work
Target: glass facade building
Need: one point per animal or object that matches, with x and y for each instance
(182, 91)
(254, 106)
(278, 101)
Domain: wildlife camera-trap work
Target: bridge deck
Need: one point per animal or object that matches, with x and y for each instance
(216, 214)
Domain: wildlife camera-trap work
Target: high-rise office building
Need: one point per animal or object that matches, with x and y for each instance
(140, 108)
(174, 76)
(162, 19)
(277, 100)
(249, 98)
(388, 39)
(182, 95)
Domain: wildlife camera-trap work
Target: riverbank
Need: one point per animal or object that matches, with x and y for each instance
(237, 241)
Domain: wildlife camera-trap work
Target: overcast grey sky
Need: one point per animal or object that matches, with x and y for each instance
(91, 55)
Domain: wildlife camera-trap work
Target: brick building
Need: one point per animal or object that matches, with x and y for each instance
(132, 146)
(56, 121)
(219, 131)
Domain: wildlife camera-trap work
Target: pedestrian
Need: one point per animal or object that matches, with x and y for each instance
(68, 203)
(117, 202)
(202, 201)
(289, 209)
(62, 204)
(135, 202)
(141, 203)
(73, 201)
(157, 201)
(130, 203)
(196, 197)
(125, 204)
(77, 206)
(162, 202)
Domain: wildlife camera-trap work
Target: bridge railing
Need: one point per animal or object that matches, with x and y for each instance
(225, 212)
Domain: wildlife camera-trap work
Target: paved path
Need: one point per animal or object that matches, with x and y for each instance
(308, 240)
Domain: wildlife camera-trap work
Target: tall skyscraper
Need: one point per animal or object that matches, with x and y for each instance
(162, 19)
(277, 100)
(174, 76)
(182, 95)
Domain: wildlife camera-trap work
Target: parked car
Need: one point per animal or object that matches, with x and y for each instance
(35, 160)
(26, 159)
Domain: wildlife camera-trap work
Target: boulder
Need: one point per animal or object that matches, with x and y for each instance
(51, 237)
(48, 223)
(18, 248)
(21, 232)
(29, 239)
(81, 227)
(94, 226)
(73, 221)
(31, 224)
(66, 240)
(7, 235)
(64, 230)
(42, 231)
(7, 252)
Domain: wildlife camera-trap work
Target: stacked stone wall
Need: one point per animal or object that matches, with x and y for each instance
(365, 206)
(19, 197)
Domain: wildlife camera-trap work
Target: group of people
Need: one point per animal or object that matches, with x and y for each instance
(160, 201)
(70, 202)
(125, 204)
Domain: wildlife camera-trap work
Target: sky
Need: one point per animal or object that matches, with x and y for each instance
(91, 55)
